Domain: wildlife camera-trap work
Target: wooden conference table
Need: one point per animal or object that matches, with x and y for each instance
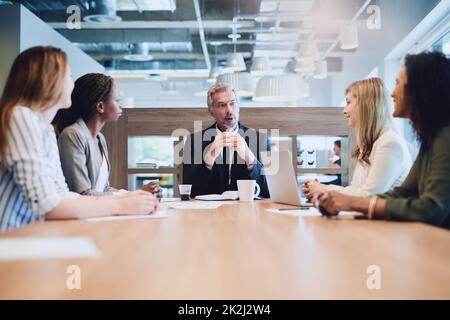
(238, 251)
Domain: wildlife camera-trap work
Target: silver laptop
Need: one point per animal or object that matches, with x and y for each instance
(282, 183)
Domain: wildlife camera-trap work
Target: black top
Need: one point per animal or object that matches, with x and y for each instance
(217, 180)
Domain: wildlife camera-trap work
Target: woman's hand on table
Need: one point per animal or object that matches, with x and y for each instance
(154, 188)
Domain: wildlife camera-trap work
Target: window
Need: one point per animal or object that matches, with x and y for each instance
(151, 151)
(443, 44)
(151, 158)
(166, 181)
(316, 158)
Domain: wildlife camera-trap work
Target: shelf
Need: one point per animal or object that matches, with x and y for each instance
(322, 170)
(136, 170)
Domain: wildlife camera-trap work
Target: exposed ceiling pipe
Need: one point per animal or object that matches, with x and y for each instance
(284, 30)
(301, 15)
(160, 24)
(161, 56)
(278, 42)
(124, 47)
(202, 34)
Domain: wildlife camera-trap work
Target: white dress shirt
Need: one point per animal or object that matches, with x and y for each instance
(229, 153)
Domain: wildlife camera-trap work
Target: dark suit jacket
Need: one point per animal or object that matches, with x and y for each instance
(216, 180)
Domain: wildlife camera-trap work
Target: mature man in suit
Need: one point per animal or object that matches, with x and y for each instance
(215, 158)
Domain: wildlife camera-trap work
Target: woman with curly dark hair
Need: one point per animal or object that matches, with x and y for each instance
(422, 94)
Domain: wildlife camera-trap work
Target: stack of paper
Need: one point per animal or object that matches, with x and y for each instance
(195, 205)
(226, 196)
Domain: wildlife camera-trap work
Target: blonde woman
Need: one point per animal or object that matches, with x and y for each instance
(32, 185)
(381, 155)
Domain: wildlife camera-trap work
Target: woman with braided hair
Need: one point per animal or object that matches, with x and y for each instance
(82, 147)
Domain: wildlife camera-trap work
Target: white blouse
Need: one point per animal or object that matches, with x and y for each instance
(103, 176)
(390, 164)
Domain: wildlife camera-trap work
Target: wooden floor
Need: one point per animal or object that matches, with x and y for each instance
(239, 251)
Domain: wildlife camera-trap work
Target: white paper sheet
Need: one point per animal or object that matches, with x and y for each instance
(47, 248)
(170, 199)
(195, 205)
(311, 212)
(158, 215)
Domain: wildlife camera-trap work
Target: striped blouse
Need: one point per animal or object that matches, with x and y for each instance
(33, 183)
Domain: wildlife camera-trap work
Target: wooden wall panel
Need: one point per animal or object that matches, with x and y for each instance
(290, 121)
(117, 139)
(324, 121)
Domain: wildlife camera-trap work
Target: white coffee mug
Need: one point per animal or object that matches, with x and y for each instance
(247, 190)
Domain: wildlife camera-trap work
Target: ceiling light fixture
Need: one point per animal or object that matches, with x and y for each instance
(242, 82)
(349, 36)
(234, 36)
(138, 52)
(306, 67)
(213, 74)
(235, 62)
(321, 70)
(102, 11)
(216, 70)
(261, 67)
(283, 88)
(308, 51)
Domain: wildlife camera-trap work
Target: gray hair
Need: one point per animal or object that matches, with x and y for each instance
(220, 87)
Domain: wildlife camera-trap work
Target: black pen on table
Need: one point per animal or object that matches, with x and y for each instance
(298, 208)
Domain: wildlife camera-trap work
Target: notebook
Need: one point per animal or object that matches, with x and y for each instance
(225, 196)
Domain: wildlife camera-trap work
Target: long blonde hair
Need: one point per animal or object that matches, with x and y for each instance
(34, 81)
(373, 114)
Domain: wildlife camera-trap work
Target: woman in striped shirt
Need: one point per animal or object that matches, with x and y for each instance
(32, 185)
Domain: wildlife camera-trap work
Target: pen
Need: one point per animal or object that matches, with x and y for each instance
(299, 208)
